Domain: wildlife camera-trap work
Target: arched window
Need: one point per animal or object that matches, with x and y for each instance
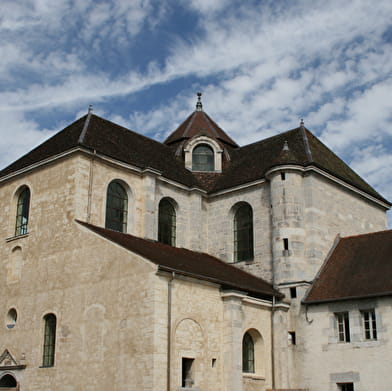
(22, 212)
(116, 207)
(248, 354)
(8, 381)
(49, 340)
(243, 233)
(203, 158)
(167, 222)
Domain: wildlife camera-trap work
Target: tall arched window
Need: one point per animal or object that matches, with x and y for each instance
(248, 354)
(203, 158)
(243, 233)
(22, 212)
(49, 340)
(116, 207)
(167, 222)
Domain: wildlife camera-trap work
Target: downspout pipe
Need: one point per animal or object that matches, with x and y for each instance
(169, 320)
(272, 344)
(90, 186)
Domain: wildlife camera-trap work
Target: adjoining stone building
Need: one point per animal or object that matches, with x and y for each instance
(130, 264)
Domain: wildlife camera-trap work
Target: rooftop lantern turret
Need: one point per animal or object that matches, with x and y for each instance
(199, 106)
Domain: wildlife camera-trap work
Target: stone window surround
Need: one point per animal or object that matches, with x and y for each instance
(193, 143)
(131, 197)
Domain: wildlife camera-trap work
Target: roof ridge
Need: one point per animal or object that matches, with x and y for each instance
(366, 234)
(268, 138)
(306, 142)
(210, 125)
(141, 135)
(85, 127)
(193, 115)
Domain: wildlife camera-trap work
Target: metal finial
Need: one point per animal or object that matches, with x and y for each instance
(285, 146)
(90, 109)
(302, 123)
(199, 106)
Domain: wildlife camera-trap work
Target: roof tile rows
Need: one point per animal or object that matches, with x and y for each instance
(247, 164)
(359, 266)
(188, 263)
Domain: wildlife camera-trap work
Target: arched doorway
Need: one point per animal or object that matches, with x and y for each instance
(8, 382)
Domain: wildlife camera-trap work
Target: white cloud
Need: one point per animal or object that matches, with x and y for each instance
(22, 134)
(261, 68)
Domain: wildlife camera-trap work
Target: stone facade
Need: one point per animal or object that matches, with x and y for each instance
(124, 325)
(365, 363)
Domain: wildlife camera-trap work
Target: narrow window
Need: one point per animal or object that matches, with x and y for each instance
(187, 373)
(167, 223)
(343, 324)
(346, 386)
(292, 337)
(203, 158)
(369, 324)
(22, 212)
(116, 207)
(248, 354)
(12, 316)
(49, 340)
(286, 244)
(283, 176)
(293, 292)
(243, 233)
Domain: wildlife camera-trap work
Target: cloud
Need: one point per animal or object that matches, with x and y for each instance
(261, 66)
(24, 134)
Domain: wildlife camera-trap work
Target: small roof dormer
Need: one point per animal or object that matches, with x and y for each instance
(201, 141)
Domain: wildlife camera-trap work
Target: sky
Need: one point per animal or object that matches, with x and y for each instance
(261, 66)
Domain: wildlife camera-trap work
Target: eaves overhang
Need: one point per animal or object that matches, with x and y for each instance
(139, 170)
(346, 298)
(314, 168)
(222, 283)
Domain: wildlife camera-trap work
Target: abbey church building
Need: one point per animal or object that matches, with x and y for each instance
(128, 264)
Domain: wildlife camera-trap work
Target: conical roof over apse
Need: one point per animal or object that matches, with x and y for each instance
(199, 124)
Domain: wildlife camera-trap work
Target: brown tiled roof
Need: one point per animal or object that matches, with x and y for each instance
(113, 141)
(189, 263)
(246, 164)
(358, 267)
(251, 162)
(199, 123)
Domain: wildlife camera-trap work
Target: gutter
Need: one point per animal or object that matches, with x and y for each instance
(90, 186)
(272, 344)
(169, 318)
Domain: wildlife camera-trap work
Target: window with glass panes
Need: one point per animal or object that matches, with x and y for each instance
(203, 158)
(22, 212)
(343, 325)
(49, 340)
(369, 324)
(248, 354)
(167, 223)
(243, 233)
(116, 207)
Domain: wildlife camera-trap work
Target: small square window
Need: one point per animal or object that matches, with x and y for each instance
(292, 338)
(346, 386)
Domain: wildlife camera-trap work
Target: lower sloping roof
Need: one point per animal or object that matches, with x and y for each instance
(189, 263)
(358, 267)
